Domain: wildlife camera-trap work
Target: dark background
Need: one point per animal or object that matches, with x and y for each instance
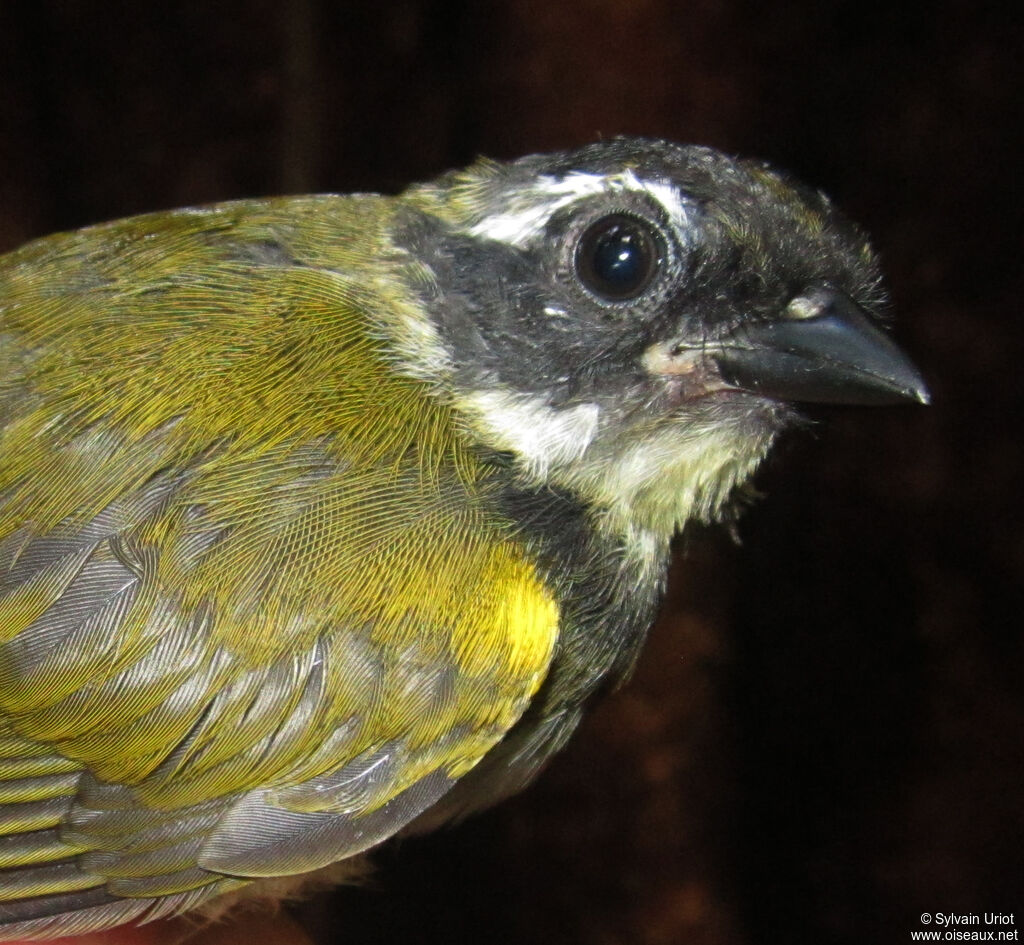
(823, 739)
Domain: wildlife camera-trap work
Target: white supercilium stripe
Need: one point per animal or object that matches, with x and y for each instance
(528, 213)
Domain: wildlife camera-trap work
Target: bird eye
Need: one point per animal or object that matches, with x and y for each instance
(617, 257)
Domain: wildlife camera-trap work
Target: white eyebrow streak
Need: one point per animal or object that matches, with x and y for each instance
(672, 201)
(528, 214)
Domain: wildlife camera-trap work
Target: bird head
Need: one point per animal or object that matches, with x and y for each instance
(634, 320)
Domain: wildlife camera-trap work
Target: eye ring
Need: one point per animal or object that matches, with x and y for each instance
(618, 256)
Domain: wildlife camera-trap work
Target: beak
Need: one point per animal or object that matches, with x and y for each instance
(826, 350)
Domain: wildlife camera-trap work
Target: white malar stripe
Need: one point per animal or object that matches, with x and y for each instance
(540, 436)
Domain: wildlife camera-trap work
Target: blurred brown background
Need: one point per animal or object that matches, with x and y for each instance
(824, 737)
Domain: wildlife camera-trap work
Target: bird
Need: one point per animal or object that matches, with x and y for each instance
(324, 518)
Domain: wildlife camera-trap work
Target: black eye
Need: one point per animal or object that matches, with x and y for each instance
(617, 257)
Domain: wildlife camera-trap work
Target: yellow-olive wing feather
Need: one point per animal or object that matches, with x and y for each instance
(255, 613)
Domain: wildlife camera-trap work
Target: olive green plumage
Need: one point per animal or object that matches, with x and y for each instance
(324, 515)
